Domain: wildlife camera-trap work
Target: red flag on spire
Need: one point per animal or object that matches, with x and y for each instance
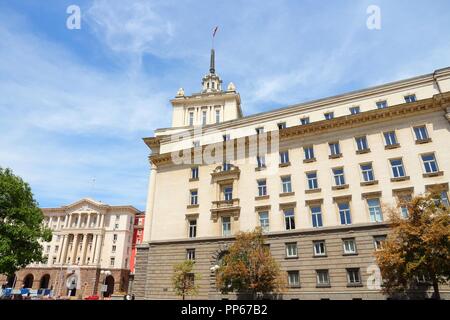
(215, 30)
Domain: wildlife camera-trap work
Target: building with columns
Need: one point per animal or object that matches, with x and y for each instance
(315, 176)
(91, 246)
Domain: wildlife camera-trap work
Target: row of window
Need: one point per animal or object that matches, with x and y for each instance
(204, 117)
(323, 278)
(330, 115)
(316, 216)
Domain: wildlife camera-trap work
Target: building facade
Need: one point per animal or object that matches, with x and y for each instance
(317, 177)
(89, 251)
(138, 237)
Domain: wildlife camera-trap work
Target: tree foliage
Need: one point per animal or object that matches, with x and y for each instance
(21, 227)
(185, 280)
(418, 247)
(248, 267)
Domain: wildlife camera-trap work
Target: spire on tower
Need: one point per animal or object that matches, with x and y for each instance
(212, 63)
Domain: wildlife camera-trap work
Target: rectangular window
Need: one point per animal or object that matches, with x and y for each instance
(410, 98)
(329, 115)
(444, 198)
(334, 148)
(304, 121)
(323, 278)
(262, 187)
(261, 161)
(226, 166)
(429, 163)
(191, 118)
(115, 237)
(284, 157)
(190, 254)
(367, 172)
(316, 214)
(354, 110)
(378, 242)
(113, 249)
(228, 193)
(313, 183)
(194, 197)
(403, 201)
(353, 276)
(309, 152)
(319, 248)
(293, 279)
(264, 221)
(56, 249)
(382, 104)
(259, 130)
(192, 228)
(344, 213)
(204, 118)
(226, 226)
(349, 246)
(291, 250)
(421, 133)
(361, 143)
(194, 173)
(390, 138)
(397, 168)
(286, 184)
(338, 174)
(375, 210)
(112, 261)
(281, 125)
(289, 219)
(217, 116)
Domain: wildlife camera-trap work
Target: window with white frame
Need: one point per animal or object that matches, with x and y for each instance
(286, 184)
(217, 116)
(334, 148)
(403, 200)
(192, 231)
(264, 221)
(284, 157)
(304, 120)
(319, 248)
(228, 193)
(382, 104)
(191, 118)
(226, 226)
(444, 198)
(339, 179)
(194, 197)
(190, 254)
(293, 279)
(375, 210)
(311, 178)
(112, 261)
(361, 143)
(113, 249)
(309, 152)
(378, 242)
(115, 237)
(194, 173)
(353, 276)
(344, 213)
(291, 250)
(367, 172)
(261, 161)
(410, 98)
(316, 216)
(349, 246)
(390, 138)
(323, 278)
(262, 187)
(328, 115)
(354, 110)
(421, 133)
(289, 219)
(204, 118)
(429, 163)
(398, 170)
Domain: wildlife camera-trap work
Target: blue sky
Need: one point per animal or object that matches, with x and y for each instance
(75, 103)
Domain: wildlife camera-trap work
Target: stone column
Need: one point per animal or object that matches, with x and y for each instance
(88, 221)
(150, 202)
(61, 248)
(79, 221)
(73, 254)
(83, 254)
(99, 248)
(66, 249)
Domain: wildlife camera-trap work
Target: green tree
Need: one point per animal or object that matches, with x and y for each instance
(185, 280)
(418, 247)
(248, 267)
(21, 227)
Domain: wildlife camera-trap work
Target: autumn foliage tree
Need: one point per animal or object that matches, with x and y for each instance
(184, 280)
(418, 247)
(248, 267)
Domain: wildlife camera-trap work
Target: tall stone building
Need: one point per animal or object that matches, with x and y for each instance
(316, 177)
(89, 251)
